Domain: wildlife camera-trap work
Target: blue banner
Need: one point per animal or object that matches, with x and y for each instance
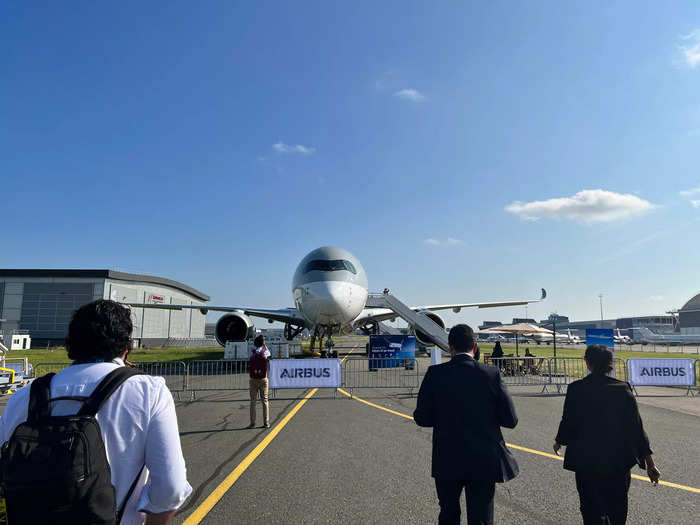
(387, 351)
(600, 336)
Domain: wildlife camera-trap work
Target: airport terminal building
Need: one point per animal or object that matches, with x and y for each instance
(41, 302)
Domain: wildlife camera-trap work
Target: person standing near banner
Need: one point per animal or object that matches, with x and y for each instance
(604, 438)
(259, 380)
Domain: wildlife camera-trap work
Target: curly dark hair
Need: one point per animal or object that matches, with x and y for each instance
(600, 358)
(99, 330)
(259, 341)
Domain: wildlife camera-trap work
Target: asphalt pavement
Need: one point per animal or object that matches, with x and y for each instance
(343, 461)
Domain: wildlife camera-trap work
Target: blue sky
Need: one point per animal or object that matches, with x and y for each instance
(216, 143)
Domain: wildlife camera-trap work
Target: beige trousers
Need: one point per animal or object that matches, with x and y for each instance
(261, 386)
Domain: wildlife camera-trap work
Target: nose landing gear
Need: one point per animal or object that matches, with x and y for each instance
(326, 350)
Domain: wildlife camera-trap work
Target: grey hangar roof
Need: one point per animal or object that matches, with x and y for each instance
(104, 274)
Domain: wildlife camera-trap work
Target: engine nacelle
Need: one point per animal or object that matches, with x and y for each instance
(424, 338)
(234, 327)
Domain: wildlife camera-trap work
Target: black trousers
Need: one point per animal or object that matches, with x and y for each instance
(479, 495)
(603, 496)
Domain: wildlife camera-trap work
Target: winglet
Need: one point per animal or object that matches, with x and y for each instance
(544, 295)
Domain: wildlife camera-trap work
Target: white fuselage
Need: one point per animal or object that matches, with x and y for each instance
(330, 303)
(329, 287)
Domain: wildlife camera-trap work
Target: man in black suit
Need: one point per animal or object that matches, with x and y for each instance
(604, 438)
(466, 403)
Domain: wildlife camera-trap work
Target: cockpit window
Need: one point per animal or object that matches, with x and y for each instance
(321, 265)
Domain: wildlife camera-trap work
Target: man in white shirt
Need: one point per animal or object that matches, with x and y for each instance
(138, 422)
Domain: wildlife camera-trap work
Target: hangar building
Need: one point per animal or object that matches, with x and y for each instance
(689, 317)
(42, 302)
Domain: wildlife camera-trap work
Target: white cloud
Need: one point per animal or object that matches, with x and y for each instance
(411, 94)
(691, 50)
(281, 147)
(695, 203)
(690, 192)
(450, 241)
(586, 206)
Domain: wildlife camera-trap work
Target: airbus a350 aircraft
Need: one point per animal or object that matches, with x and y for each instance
(330, 294)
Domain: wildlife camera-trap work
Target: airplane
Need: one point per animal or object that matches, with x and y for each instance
(645, 336)
(330, 291)
(548, 338)
(621, 339)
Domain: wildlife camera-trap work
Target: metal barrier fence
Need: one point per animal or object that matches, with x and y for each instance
(363, 372)
(174, 372)
(189, 342)
(523, 371)
(547, 371)
(216, 375)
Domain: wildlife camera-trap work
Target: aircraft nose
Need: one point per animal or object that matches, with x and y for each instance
(336, 298)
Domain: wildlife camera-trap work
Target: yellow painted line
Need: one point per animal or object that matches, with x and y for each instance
(375, 406)
(350, 352)
(213, 498)
(525, 449)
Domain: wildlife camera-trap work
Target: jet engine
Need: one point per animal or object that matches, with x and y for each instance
(421, 336)
(234, 327)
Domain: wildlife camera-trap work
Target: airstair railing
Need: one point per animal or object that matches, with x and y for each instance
(419, 321)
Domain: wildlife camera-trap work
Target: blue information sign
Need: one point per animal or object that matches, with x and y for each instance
(600, 336)
(388, 351)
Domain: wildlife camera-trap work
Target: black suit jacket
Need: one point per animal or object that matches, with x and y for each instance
(601, 427)
(467, 403)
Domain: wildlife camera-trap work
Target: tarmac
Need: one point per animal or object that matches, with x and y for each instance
(363, 460)
(333, 459)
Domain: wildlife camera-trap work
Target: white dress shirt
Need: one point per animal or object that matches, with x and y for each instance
(261, 350)
(139, 426)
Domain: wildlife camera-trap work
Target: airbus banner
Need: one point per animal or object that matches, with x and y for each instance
(661, 372)
(305, 373)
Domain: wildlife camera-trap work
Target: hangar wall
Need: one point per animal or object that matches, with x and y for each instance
(42, 302)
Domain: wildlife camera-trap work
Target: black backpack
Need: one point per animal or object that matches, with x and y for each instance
(54, 468)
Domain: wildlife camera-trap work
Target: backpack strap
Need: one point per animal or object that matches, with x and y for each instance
(120, 512)
(39, 396)
(106, 388)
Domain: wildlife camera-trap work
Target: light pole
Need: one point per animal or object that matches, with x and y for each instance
(600, 296)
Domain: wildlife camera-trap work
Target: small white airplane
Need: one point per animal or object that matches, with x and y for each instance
(330, 293)
(621, 339)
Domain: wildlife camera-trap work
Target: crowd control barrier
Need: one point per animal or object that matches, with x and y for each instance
(368, 373)
(212, 375)
(363, 372)
(523, 371)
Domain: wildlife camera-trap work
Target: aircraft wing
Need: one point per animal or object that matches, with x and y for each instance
(458, 306)
(382, 314)
(283, 315)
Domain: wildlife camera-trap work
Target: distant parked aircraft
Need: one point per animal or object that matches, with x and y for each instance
(645, 336)
(566, 338)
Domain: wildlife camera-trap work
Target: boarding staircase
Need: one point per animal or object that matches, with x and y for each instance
(419, 321)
